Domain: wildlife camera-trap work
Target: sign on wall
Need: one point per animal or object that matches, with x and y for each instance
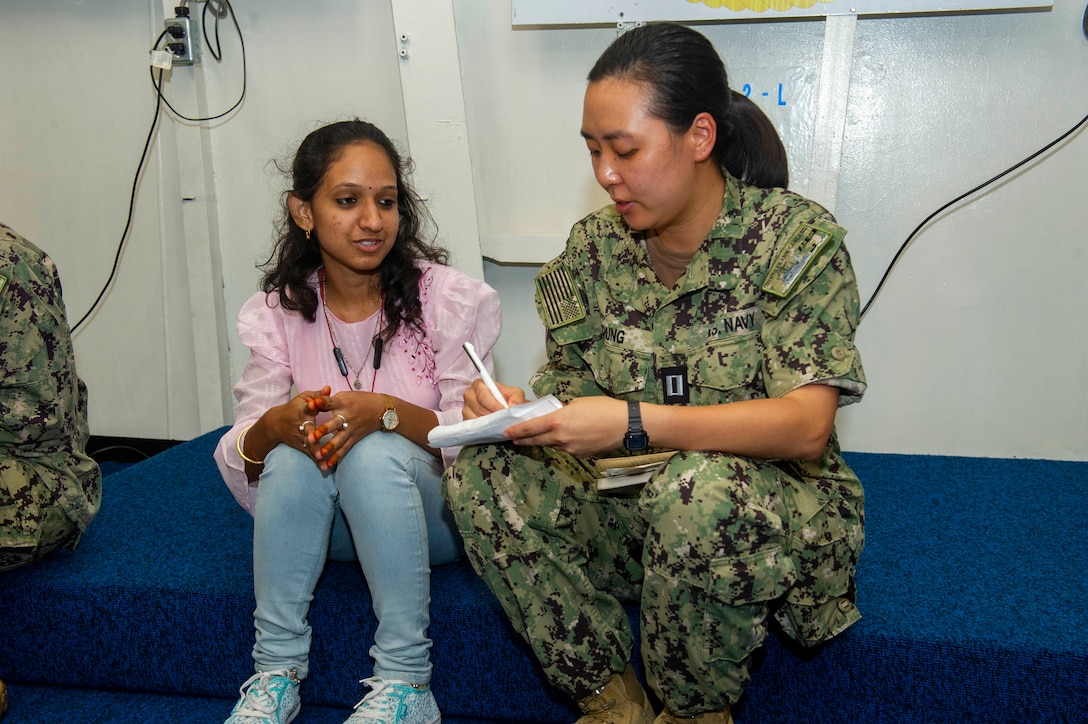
(596, 12)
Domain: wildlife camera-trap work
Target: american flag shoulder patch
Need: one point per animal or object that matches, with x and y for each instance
(559, 298)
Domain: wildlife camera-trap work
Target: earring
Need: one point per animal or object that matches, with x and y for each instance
(307, 234)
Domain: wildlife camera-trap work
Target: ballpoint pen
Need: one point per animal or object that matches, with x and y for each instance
(484, 374)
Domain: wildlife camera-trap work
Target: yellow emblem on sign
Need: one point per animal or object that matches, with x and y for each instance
(759, 6)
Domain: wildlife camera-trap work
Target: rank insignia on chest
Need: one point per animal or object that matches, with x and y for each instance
(674, 385)
(559, 297)
(795, 257)
(3, 284)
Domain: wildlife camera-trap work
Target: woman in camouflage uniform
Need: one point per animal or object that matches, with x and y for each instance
(700, 313)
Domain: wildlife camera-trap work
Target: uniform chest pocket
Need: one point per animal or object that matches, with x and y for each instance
(621, 369)
(728, 364)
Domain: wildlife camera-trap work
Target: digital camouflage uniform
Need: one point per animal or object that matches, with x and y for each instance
(715, 543)
(50, 489)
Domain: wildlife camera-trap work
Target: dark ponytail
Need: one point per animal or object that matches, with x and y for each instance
(755, 153)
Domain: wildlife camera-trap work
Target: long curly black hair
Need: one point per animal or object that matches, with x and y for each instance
(294, 258)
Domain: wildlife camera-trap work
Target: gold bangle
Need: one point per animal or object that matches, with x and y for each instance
(240, 441)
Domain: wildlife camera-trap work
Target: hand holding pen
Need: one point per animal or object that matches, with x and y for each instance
(504, 396)
(484, 374)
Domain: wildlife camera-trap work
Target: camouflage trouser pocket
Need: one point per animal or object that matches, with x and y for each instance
(821, 604)
(739, 592)
(698, 635)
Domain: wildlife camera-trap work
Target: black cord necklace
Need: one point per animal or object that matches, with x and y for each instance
(375, 342)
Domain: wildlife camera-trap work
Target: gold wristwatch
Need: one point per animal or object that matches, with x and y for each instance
(390, 419)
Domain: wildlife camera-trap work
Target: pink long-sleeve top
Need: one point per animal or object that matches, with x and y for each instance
(289, 354)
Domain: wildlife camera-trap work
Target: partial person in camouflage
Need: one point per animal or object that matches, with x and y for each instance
(707, 311)
(50, 489)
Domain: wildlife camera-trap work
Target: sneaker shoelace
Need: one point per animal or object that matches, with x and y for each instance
(384, 701)
(259, 702)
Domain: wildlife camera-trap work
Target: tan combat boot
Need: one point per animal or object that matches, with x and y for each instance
(3, 699)
(620, 701)
(722, 716)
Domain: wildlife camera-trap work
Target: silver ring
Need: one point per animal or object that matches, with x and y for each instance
(343, 420)
(303, 424)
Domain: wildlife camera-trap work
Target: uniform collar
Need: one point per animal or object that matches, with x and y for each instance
(630, 277)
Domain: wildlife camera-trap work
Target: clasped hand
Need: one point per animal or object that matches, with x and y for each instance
(584, 427)
(354, 416)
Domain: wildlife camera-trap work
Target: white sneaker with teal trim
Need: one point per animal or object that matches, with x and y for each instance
(270, 697)
(395, 702)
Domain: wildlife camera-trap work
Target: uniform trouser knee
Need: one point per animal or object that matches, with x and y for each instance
(715, 560)
(526, 515)
(55, 531)
(709, 542)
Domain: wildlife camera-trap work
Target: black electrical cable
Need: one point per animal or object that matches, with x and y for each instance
(131, 201)
(160, 99)
(114, 448)
(217, 53)
(959, 198)
(241, 96)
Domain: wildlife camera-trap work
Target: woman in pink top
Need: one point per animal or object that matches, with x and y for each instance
(355, 355)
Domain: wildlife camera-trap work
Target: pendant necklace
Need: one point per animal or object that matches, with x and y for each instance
(375, 342)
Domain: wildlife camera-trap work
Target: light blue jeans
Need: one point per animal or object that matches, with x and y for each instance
(381, 506)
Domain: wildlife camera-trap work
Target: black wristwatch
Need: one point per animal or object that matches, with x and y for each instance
(636, 439)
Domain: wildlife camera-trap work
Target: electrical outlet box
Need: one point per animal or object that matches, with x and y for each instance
(180, 41)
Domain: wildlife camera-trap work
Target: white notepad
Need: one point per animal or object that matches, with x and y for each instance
(489, 428)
